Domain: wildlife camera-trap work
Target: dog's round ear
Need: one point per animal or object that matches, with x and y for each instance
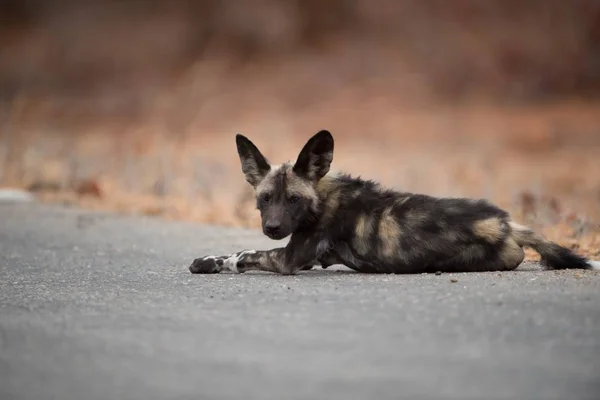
(316, 156)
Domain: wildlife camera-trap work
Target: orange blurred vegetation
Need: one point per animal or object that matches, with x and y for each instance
(133, 105)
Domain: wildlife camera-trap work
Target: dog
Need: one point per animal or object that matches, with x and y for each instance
(334, 218)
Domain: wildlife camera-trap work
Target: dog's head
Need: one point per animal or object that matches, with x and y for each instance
(286, 194)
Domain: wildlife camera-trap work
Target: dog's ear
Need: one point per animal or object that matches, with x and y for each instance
(254, 165)
(316, 156)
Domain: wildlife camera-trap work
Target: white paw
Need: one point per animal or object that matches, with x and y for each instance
(230, 263)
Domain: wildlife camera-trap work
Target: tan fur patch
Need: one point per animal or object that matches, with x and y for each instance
(489, 229)
(363, 230)
(512, 254)
(517, 226)
(415, 217)
(401, 200)
(300, 187)
(267, 184)
(389, 232)
(295, 184)
(330, 206)
(326, 185)
(524, 236)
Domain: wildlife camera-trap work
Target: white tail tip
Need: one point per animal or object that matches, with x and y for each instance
(594, 264)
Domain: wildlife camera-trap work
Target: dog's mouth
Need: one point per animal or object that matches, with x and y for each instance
(276, 236)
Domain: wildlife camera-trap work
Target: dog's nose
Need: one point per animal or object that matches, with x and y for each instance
(272, 229)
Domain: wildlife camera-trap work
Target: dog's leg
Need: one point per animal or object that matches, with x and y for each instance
(285, 261)
(273, 260)
(264, 260)
(475, 258)
(242, 261)
(296, 256)
(343, 254)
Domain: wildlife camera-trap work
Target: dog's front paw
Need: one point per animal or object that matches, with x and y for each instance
(206, 265)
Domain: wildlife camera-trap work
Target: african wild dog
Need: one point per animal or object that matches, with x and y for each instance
(339, 219)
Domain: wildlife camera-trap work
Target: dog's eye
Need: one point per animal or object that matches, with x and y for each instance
(294, 198)
(265, 197)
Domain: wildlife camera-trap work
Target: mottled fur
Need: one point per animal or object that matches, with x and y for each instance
(339, 219)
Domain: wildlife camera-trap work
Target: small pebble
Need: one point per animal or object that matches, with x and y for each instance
(453, 280)
(438, 272)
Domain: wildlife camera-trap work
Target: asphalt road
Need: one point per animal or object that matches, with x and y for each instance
(95, 306)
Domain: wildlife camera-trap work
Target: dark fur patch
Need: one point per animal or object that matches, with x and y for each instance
(558, 257)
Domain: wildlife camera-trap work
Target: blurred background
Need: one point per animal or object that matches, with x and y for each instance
(133, 105)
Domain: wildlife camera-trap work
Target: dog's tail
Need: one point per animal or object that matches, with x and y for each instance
(553, 256)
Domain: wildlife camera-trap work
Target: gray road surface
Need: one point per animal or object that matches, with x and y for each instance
(94, 306)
